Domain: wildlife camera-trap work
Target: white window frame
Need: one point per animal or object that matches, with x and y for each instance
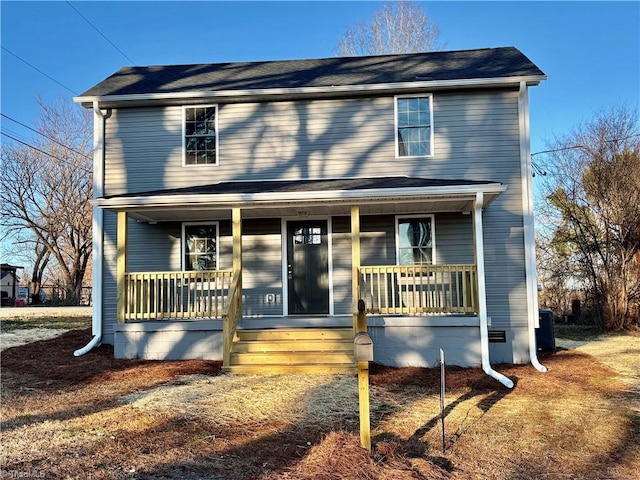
(183, 244)
(431, 126)
(184, 136)
(433, 235)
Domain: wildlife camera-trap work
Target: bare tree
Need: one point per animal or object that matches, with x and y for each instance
(593, 190)
(45, 190)
(400, 27)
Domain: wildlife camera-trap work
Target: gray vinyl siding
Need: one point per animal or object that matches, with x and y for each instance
(454, 238)
(341, 265)
(476, 136)
(109, 293)
(154, 248)
(261, 266)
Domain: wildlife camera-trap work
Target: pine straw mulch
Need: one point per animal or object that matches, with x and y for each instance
(95, 417)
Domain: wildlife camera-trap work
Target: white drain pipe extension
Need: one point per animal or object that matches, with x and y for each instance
(97, 230)
(529, 229)
(482, 294)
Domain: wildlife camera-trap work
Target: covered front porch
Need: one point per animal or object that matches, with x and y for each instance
(224, 300)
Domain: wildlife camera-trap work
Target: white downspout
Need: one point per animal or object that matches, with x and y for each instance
(529, 228)
(482, 293)
(97, 230)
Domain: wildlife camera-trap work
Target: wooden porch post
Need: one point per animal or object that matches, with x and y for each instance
(121, 266)
(230, 319)
(237, 240)
(360, 325)
(355, 266)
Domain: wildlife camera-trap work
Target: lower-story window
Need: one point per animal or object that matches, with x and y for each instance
(415, 240)
(200, 246)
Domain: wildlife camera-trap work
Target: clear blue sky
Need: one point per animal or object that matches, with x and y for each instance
(589, 50)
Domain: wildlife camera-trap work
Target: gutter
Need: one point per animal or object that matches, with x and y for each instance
(99, 121)
(482, 295)
(529, 229)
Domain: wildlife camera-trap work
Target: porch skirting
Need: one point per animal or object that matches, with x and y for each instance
(416, 341)
(168, 340)
(398, 341)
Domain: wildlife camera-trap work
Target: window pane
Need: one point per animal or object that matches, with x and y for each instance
(308, 236)
(200, 247)
(200, 135)
(414, 126)
(415, 244)
(423, 107)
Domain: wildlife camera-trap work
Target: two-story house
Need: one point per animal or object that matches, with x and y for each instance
(263, 212)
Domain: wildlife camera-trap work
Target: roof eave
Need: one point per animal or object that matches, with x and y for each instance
(268, 199)
(337, 90)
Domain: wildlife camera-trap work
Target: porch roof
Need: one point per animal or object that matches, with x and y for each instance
(375, 195)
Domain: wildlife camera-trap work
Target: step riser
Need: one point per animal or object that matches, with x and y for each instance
(297, 335)
(290, 369)
(290, 358)
(293, 346)
(305, 350)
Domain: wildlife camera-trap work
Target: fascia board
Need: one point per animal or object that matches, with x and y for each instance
(334, 89)
(279, 198)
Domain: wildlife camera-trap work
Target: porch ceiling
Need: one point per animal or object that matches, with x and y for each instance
(375, 196)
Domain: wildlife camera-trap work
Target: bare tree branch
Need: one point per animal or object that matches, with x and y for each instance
(594, 201)
(400, 27)
(47, 194)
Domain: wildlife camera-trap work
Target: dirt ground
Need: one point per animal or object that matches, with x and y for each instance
(95, 417)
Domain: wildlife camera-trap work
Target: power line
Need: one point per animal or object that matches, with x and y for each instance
(573, 147)
(102, 34)
(26, 144)
(38, 70)
(46, 136)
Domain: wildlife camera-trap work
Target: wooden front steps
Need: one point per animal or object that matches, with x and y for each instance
(293, 350)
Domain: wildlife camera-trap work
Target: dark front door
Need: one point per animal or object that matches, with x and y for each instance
(308, 267)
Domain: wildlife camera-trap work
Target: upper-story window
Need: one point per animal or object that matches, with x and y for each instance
(415, 240)
(200, 139)
(414, 126)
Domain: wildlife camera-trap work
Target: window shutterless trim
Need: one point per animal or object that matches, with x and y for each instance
(183, 246)
(431, 129)
(184, 136)
(433, 234)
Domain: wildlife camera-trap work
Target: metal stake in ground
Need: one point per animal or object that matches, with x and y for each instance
(442, 386)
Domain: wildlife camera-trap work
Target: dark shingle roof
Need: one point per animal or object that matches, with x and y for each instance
(341, 71)
(320, 185)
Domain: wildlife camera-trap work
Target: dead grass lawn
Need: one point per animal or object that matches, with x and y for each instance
(95, 417)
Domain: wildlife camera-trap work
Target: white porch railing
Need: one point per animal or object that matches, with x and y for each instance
(176, 295)
(419, 289)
